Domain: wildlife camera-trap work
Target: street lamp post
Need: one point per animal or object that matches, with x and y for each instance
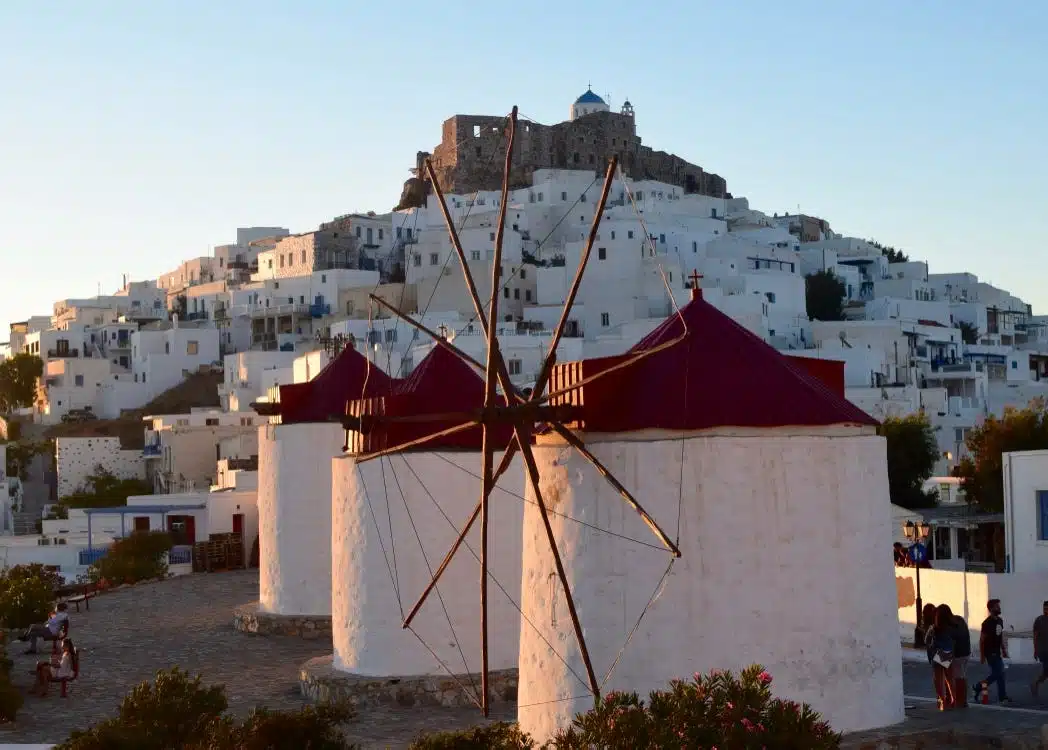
(917, 534)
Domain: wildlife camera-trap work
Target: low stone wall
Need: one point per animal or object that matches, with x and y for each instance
(250, 618)
(320, 682)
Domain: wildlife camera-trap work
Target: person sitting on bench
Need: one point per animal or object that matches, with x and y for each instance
(49, 631)
(56, 670)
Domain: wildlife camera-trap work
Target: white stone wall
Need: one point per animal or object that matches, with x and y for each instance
(784, 541)
(371, 593)
(1026, 535)
(294, 516)
(77, 458)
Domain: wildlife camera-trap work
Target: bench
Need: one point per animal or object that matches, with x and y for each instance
(64, 682)
(85, 595)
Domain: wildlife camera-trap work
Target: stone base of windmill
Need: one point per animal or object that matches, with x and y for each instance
(251, 618)
(321, 682)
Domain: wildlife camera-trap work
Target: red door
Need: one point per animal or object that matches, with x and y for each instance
(141, 523)
(238, 523)
(182, 529)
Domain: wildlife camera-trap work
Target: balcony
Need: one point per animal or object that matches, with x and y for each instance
(198, 315)
(280, 310)
(319, 310)
(91, 556)
(62, 353)
(151, 450)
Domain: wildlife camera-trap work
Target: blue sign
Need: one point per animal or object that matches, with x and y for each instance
(918, 553)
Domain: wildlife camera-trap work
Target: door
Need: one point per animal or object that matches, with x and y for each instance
(141, 523)
(238, 523)
(182, 529)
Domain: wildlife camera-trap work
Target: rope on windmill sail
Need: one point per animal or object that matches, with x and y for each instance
(429, 567)
(392, 539)
(551, 511)
(378, 530)
(491, 575)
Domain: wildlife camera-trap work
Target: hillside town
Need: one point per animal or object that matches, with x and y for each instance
(224, 403)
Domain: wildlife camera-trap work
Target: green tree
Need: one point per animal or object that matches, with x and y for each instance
(912, 454)
(18, 376)
(20, 455)
(824, 296)
(893, 255)
(103, 489)
(969, 333)
(1017, 430)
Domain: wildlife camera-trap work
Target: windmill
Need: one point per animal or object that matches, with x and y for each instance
(541, 409)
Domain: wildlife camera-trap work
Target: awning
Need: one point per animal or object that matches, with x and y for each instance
(960, 517)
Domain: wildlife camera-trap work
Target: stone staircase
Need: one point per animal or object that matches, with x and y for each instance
(25, 522)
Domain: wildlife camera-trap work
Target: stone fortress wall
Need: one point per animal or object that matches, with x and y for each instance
(468, 157)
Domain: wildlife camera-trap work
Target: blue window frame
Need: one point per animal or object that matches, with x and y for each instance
(1042, 515)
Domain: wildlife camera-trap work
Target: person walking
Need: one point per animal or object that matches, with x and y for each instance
(993, 650)
(962, 650)
(1040, 647)
(943, 656)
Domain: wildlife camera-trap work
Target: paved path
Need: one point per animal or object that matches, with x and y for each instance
(917, 682)
(187, 622)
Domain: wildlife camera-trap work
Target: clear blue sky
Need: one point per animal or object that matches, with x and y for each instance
(136, 134)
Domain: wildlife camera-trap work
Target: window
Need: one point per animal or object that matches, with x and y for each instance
(303, 256)
(541, 196)
(516, 293)
(527, 295)
(941, 540)
(474, 254)
(167, 347)
(662, 239)
(640, 195)
(514, 366)
(245, 421)
(695, 247)
(564, 196)
(78, 380)
(380, 233)
(602, 253)
(770, 296)
(434, 258)
(192, 347)
(269, 263)
(391, 335)
(211, 422)
(491, 236)
(281, 260)
(713, 213)
(1015, 364)
(323, 278)
(505, 292)
(605, 320)
(416, 260)
(400, 231)
(358, 232)
(1042, 515)
(629, 235)
(613, 234)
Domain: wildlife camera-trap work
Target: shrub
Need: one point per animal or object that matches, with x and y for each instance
(138, 557)
(498, 736)
(170, 712)
(103, 489)
(27, 594)
(176, 711)
(10, 697)
(714, 710)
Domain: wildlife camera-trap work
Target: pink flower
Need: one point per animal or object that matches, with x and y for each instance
(764, 677)
(748, 724)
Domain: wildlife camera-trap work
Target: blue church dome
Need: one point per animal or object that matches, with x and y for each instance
(590, 98)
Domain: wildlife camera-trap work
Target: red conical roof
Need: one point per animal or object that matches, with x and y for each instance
(719, 375)
(349, 376)
(440, 383)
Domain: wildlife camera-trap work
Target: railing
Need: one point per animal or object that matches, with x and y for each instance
(262, 312)
(319, 311)
(151, 450)
(199, 315)
(180, 555)
(56, 353)
(91, 556)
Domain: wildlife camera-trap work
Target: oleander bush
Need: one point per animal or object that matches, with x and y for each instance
(137, 557)
(715, 710)
(27, 595)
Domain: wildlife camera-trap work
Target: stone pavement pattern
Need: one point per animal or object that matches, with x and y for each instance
(187, 622)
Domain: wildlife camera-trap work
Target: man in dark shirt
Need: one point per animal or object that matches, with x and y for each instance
(993, 650)
(1040, 647)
